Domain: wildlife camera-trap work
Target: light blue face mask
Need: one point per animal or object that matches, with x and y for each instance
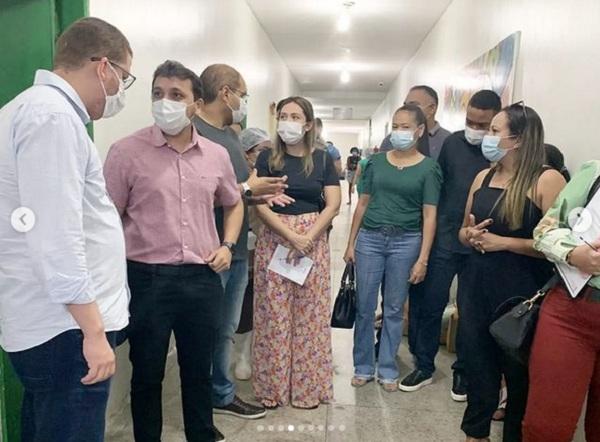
(402, 140)
(491, 149)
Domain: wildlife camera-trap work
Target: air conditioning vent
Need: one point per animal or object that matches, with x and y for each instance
(342, 113)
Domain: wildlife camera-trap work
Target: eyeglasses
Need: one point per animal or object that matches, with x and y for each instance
(522, 104)
(243, 95)
(129, 78)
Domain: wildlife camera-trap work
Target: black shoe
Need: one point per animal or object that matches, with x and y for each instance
(239, 408)
(459, 388)
(218, 435)
(415, 381)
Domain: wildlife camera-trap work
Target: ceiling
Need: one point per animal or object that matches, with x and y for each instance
(382, 37)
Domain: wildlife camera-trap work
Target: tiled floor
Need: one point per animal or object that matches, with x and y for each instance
(366, 414)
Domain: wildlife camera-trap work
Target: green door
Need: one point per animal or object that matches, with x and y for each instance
(28, 30)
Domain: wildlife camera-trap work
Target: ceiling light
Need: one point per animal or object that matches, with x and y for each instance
(343, 24)
(345, 77)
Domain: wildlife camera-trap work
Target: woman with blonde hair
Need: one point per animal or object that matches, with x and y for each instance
(505, 204)
(292, 361)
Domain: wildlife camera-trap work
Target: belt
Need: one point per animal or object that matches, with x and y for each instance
(169, 269)
(390, 230)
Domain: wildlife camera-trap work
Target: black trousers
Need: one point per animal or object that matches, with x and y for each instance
(184, 300)
(484, 365)
(427, 303)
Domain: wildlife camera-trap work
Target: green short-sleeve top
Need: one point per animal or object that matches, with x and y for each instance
(397, 195)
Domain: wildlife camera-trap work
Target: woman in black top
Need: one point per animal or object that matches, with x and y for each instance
(505, 204)
(292, 359)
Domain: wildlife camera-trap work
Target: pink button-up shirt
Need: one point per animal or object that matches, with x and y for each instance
(166, 199)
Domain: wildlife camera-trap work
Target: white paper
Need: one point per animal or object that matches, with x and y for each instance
(586, 228)
(296, 273)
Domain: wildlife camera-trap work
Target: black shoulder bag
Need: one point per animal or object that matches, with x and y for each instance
(344, 309)
(515, 327)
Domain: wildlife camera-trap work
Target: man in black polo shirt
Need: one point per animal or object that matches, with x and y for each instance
(461, 160)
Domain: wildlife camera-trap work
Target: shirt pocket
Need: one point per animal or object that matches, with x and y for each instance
(206, 188)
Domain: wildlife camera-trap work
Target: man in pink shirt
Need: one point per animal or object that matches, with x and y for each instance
(165, 181)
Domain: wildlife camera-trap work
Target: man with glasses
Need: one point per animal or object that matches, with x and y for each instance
(225, 101)
(63, 281)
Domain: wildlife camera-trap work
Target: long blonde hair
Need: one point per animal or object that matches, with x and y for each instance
(277, 160)
(525, 123)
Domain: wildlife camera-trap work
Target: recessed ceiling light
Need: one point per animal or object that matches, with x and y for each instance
(343, 24)
(345, 77)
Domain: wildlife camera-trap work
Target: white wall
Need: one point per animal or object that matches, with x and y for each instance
(344, 141)
(558, 70)
(346, 134)
(197, 33)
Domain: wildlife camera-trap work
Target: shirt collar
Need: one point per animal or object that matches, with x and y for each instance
(157, 138)
(434, 130)
(48, 78)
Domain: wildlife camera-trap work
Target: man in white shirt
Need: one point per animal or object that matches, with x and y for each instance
(63, 288)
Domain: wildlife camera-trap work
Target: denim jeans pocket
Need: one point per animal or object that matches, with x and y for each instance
(34, 366)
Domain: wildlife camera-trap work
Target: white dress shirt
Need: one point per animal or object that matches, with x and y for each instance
(75, 253)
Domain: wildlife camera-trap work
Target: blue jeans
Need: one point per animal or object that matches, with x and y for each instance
(57, 407)
(428, 301)
(234, 283)
(376, 253)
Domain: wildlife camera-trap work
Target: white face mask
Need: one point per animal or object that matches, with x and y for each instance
(170, 116)
(239, 114)
(290, 132)
(113, 104)
(473, 136)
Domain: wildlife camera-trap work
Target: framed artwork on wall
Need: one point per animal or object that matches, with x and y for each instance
(495, 70)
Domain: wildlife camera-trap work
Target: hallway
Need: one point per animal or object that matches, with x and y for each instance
(357, 415)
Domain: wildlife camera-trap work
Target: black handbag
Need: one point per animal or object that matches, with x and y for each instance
(517, 319)
(344, 309)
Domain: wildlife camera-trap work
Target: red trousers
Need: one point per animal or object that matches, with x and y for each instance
(564, 368)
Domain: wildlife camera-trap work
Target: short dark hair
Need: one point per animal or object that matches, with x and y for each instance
(355, 149)
(90, 37)
(428, 90)
(174, 69)
(214, 77)
(486, 100)
(556, 160)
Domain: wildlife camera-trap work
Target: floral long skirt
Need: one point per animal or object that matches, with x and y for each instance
(291, 352)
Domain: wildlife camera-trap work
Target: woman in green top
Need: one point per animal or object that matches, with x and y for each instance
(392, 233)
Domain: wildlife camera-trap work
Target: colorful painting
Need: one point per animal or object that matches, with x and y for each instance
(493, 70)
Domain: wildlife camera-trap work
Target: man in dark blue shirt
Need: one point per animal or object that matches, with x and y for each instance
(461, 160)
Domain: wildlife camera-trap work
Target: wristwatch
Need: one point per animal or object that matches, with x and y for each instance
(247, 190)
(229, 245)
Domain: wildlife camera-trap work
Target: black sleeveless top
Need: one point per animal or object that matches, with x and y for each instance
(498, 276)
